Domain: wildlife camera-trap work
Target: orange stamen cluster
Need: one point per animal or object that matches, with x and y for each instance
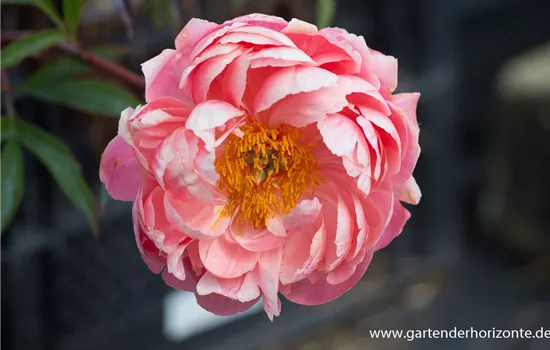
(265, 171)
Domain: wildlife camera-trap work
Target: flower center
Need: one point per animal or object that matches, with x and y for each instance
(265, 171)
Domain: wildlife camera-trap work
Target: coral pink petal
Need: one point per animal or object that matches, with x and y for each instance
(207, 40)
(243, 289)
(234, 83)
(195, 218)
(320, 292)
(162, 77)
(385, 68)
(119, 170)
(226, 259)
(187, 285)
(305, 108)
(345, 270)
(280, 57)
(253, 239)
(209, 115)
(304, 214)
(299, 262)
(269, 267)
(249, 38)
(223, 306)
(149, 252)
(408, 103)
(290, 81)
(267, 33)
(379, 209)
(276, 226)
(193, 32)
(339, 226)
(409, 192)
(400, 215)
(259, 19)
(296, 26)
(175, 260)
(208, 71)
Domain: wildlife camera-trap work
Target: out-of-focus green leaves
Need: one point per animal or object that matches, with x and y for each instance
(29, 45)
(161, 12)
(44, 5)
(325, 11)
(11, 181)
(84, 94)
(62, 165)
(6, 128)
(65, 68)
(71, 13)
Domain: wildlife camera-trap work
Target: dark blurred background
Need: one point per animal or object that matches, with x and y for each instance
(476, 252)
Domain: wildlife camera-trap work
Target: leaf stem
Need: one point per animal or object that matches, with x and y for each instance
(100, 64)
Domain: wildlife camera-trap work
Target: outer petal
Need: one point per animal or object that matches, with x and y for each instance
(385, 68)
(193, 32)
(149, 252)
(222, 306)
(269, 266)
(394, 228)
(162, 76)
(320, 292)
(409, 192)
(187, 285)
(119, 170)
(243, 289)
(259, 19)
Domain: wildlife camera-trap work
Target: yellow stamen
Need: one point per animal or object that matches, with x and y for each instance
(281, 171)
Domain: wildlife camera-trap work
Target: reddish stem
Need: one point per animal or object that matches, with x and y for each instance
(103, 65)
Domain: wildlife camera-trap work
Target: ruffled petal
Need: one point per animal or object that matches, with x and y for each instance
(226, 259)
(298, 260)
(193, 32)
(243, 289)
(223, 306)
(319, 292)
(119, 170)
(290, 81)
(395, 226)
(269, 266)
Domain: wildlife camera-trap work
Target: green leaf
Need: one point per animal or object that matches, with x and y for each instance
(325, 11)
(64, 68)
(29, 45)
(62, 165)
(44, 5)
(84, 94)
(11, 182)
(52, 72)
(71, 13)
(6, 128)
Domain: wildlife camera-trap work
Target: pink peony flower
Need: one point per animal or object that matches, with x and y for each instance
(271, 158)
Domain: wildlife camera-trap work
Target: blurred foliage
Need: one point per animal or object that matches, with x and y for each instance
(30, 45)
(71, 12)
(11, 181)
(65, 81)
(324, 14)
(44, 5)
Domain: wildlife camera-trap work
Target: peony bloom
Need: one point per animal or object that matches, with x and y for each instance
(270, 158)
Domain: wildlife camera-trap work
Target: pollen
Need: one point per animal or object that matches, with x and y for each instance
(265, 171)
